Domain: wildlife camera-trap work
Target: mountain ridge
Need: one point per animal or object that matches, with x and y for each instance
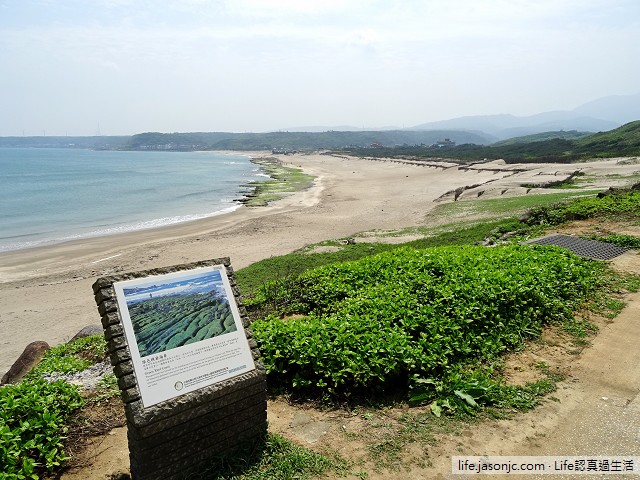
(599, 115)
(602, 114)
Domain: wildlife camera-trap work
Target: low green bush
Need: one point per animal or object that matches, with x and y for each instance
(34, 413)
(379, 321)
(467, 390)
(270, 274)
(626, 241)
(621, 205)
(71, 357)
(32, 425)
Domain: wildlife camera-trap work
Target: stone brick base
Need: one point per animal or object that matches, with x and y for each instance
(178, 438)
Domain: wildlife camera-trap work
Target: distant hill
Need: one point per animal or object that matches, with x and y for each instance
(176, 141)
(95, 143)
(298, 140)
(617, 108)
(509, 126)
(620, 142)
(601, 115)
(334, 128)
(598, 115)
(251, 141)
(539, 137)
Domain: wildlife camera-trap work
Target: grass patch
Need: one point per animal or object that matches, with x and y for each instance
(626, 241)
(275, 459)
(396, 442)
(620, 206)
(507, 205)
(619, 176)
(71, 357)
(283, 180)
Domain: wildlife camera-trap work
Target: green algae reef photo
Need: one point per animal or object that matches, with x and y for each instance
(283, 180)
(164, 323)
(169, 314)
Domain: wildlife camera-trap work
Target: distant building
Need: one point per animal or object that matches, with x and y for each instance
(283, 151)
(444, 143)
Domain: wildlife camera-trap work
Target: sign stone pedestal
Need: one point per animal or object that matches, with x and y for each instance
(178, 437)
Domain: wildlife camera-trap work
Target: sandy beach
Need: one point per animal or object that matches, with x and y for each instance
(45, 293)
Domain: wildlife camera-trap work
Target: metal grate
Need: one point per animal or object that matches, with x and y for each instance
(581, 246)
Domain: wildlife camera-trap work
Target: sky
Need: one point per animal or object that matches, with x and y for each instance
(120, 67)
(189, 284)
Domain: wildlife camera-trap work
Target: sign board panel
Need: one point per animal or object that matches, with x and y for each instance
(184, 331)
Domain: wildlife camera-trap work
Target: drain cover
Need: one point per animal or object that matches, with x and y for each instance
(582, 246)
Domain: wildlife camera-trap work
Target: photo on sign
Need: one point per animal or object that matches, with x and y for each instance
(171, 314)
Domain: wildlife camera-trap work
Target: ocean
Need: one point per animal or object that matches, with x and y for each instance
(53, 195)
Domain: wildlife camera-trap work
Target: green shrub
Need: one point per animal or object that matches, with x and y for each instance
(622, 205)
(626, 241)
(32, 419)
(466, 391)
(71, 357)
(268, 276)
(380, 320)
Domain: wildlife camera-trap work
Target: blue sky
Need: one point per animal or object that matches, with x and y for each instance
(124, 67)
(197, 283)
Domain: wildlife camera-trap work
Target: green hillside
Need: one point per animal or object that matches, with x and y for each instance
(296, 140)
(539, 137)
(620, 142)
(190, 141)
(557, 146)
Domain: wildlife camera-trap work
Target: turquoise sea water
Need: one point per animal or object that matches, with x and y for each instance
(53, 195)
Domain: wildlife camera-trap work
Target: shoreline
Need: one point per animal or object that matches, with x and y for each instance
(122, 224)
(138, 226)
(45, 292)
(25, 263)
(247, 194)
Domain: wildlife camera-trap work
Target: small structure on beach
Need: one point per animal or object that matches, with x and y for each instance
(447, 142)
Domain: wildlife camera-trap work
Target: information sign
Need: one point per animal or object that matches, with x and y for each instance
(184, 331)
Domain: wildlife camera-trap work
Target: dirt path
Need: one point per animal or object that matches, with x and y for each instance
(596, 411)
